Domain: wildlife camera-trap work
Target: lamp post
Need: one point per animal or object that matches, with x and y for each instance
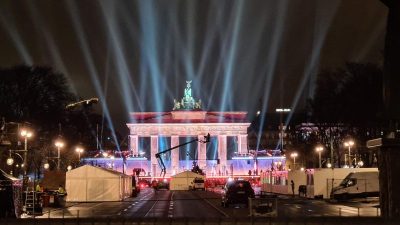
(26, 134)
(319, 149)
(10, 160)
(59, 144)
(79, 150)
(349, 144)
(294, 155)
(281, 111)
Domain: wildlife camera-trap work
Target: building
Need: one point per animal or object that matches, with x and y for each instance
(186, 125)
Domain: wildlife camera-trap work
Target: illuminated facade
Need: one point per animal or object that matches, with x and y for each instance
(229, 145)
(178, 124)
(188, 120)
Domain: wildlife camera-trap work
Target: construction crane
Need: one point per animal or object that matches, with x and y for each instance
(86, 101)
(159, 158)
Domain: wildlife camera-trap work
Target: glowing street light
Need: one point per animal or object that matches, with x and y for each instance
(294, 155)
(46, 166)
(319, 149)
(69, 168)
(26, 134)
(59, 144)
(79, 150)
(349, 144)
(105, 154)
(10, 161)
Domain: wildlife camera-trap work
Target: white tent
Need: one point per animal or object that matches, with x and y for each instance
(90, 183)
(181, 181)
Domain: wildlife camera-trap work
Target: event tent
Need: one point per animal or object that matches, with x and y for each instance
(89, 183)
(182, 181)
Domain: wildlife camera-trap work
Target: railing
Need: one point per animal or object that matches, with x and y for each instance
(186, 221)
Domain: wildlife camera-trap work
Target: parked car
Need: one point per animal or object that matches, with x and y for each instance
(237, 192)
(198, 183)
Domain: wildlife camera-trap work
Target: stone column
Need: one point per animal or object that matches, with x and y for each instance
(175, 154)
(202, 154)
(134, 144)
(153, 151)
(242, 144)
(222, 152)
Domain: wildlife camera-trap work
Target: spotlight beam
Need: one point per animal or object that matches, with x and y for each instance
(73, 12)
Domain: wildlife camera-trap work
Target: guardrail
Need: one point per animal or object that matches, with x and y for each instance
(224, 221)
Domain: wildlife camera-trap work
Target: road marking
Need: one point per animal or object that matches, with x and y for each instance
(151, 208)
(125, 210)
(219, 210)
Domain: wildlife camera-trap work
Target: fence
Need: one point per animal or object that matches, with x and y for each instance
(226, 221)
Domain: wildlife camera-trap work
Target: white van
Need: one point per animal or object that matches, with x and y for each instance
(198, 183)
(357, 184)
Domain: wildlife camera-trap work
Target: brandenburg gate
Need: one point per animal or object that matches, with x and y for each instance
(188, 119)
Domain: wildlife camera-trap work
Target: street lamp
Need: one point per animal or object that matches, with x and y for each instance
(319, 149)
(26, 134)
(349, 144)
(46, 165)
(10, 161)
(79, 150)
(281, 111)
(294, 155)
(59, 144)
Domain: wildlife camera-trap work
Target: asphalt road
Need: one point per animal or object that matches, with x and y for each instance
(205, 204)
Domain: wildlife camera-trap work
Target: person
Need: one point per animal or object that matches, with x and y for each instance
(61, 190)
(38, 188)
(292, 184)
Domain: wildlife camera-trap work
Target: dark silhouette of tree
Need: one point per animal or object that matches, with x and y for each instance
(35, 94)
(37, 97)
(347, 104)
(350, 95)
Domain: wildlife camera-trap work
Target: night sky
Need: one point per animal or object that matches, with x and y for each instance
(241, 55)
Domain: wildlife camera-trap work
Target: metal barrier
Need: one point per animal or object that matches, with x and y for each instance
(226, 221)
(263, 206)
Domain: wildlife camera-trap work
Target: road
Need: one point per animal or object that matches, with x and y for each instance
(203, 204)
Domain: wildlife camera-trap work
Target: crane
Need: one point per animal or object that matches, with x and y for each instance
(159, 158)
(86, 101)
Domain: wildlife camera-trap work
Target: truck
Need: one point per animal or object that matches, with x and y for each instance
(356, 185)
